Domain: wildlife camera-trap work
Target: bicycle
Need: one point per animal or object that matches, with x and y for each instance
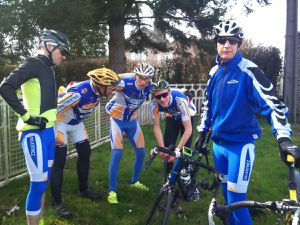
(178, 186)
(290, 208)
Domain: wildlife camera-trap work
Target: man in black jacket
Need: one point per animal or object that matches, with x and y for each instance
(37, 114)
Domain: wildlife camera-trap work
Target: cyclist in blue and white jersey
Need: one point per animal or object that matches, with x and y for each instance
(178, 112)
(74, 105)
(37, 114)
(122, 109)
(236, 91)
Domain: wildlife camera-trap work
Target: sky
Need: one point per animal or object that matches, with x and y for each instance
(265, 26)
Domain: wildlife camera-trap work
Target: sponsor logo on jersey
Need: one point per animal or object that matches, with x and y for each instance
(31, 144)
(93, 100)
(247, 167)
(89, 106)
(84, 90)
(178, 101)
(134, 103)
(232, 81)
(67, 100)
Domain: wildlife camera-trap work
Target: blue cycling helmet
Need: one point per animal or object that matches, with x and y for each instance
(56, 38)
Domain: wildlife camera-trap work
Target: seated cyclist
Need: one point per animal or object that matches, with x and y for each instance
(122, 109)
(75, 103)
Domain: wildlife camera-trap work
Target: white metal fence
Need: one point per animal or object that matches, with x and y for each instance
(12, 164)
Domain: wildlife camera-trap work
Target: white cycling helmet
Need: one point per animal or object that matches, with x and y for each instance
(229, 28)
(145, 70)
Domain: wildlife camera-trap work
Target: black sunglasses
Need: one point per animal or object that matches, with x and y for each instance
(162, 95)
(63, 52)
(223, 40)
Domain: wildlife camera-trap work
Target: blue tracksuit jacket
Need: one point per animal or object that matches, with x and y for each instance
(236, 91)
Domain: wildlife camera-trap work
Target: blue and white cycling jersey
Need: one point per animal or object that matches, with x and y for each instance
(123, 106)
(77, 102)
(178, 108)
(236, 91)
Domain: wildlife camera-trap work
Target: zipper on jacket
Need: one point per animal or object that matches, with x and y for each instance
(220, 87)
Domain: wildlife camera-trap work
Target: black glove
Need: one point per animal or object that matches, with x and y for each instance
(200, 139)
(287, 148)
(37, 121)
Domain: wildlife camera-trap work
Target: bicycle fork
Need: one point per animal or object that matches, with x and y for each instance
(292, 186)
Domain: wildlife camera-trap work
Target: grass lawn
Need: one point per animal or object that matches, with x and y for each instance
(268, 182)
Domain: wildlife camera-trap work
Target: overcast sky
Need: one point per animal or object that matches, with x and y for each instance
(266, 25)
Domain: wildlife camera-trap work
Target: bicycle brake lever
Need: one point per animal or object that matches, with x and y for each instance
(151, 158)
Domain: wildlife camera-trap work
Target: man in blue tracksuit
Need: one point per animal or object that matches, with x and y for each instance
(236, 91)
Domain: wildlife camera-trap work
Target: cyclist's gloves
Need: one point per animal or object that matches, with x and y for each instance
(177, 152)
(287, 148)
(37, 121)
(200, 139)
(167, 157)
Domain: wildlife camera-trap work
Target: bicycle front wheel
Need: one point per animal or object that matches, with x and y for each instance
(168, 205)
(161, 208)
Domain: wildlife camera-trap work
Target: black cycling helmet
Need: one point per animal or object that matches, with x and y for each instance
(56, 38)
(160, 85)
(229, 28)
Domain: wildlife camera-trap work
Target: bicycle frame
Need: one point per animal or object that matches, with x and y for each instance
(292, 186)
(173, 186)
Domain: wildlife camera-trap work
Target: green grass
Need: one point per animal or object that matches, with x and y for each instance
(268, 182)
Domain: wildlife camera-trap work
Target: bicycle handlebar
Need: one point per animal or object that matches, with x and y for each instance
(153, 154)
(196, 162)
(283, 206)
(170, 151)
(275, 206)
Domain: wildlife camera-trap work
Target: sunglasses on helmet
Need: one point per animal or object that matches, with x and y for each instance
(223, 40)
(162, 95)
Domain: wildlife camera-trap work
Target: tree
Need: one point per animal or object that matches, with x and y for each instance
(21, 22)
(85, 22)
(268, 59)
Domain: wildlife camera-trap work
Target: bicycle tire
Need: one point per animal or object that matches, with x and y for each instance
(168, 205)
(156, 205)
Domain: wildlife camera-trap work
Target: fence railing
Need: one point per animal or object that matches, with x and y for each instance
(12, 163)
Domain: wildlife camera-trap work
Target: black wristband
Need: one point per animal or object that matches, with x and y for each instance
(283, 139)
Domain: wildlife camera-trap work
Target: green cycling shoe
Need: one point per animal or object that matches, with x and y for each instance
(112, 198)
(140, 186)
